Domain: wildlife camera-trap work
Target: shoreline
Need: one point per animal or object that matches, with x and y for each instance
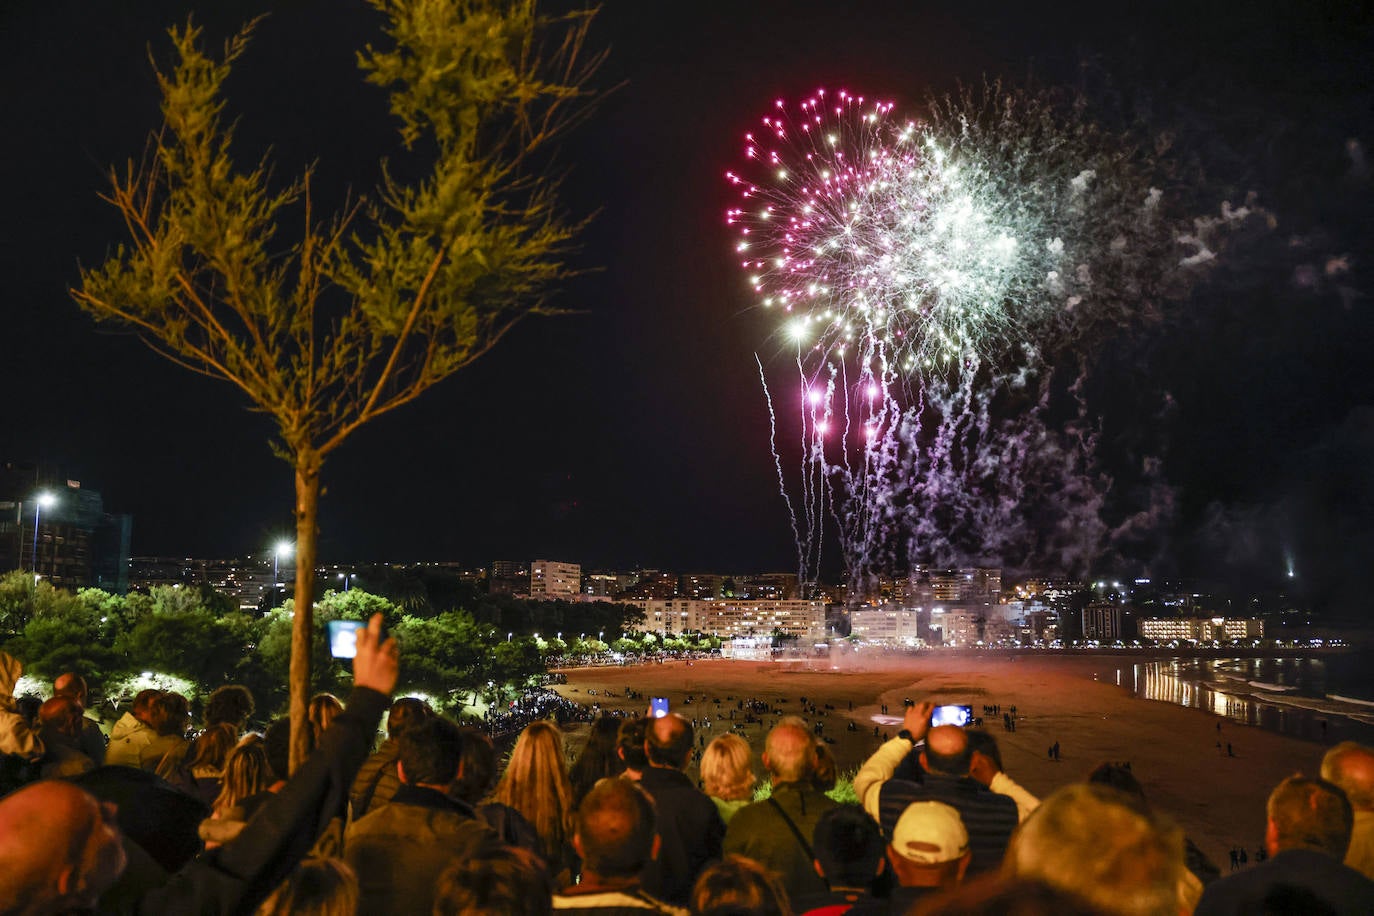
(1070, 699)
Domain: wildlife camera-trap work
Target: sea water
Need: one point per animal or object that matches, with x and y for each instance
(1326, 698)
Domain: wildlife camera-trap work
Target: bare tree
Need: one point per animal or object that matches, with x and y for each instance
(367, 308)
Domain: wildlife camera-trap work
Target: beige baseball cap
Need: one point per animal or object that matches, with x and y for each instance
(930, 832)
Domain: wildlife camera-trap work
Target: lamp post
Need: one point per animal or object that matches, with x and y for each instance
(283, 549)
(347, 577)
(44, 499)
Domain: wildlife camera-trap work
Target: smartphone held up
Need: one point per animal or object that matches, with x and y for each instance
(952, 714)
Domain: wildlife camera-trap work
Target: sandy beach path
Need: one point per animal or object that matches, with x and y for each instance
(1218, 799)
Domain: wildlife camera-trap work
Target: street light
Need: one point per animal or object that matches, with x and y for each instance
(44, 499)
(347, 577)
(283, 549)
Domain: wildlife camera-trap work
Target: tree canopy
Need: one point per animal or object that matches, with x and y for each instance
(327, 322)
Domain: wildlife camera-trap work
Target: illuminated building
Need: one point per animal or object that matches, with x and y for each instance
(888, 625)
(729, 617)
(551, 580)
(1200, 629)
(76, 544)
(1102, 621)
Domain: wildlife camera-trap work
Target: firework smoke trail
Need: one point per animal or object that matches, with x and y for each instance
(935, 278)
(777, 460)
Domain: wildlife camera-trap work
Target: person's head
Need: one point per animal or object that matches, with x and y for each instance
(478, 770)
(1351, 766)
(929, 846)
(849, 847)
(947, 751)
(981, 742)
(246, 772)
(739, 886)
(668, 741)
(61, 714)
(404, 713)
(1309, 814)
(276, 741)
(1104, 846)
(213, 746)
(616, 829)
(630, 743)
(727, 768)
(169, 714)
(231, 703)
(536, 784)
(499, 879)
(430, 754)
(789, 753)
(1118, 777)
(71, 685)
(60, 849)
(323, 708)
(825, 773)
(316, 887)
(598, 758)
(143, 704)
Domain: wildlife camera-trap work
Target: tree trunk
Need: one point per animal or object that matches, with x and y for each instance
(303, 624)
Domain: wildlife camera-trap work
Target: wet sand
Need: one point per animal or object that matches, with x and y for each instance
(1219, 800)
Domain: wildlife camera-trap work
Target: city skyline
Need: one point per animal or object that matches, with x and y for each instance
(637, 432)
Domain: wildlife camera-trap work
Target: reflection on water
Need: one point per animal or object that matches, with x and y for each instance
(1286, 695)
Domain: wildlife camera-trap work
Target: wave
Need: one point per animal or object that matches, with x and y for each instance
(1274, 688)
(1356, 700)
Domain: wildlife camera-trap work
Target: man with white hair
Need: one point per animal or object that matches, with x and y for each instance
(777, 832)
(1351, 766)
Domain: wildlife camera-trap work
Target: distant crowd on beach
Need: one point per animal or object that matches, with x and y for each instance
(160, 817)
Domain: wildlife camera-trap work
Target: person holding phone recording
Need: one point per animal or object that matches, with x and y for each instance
(945, 757)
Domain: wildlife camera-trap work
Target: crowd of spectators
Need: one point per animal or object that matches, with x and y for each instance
(167, 820)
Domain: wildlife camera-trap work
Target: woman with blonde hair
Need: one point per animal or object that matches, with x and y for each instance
(246, 772)
(727, 774)
(536, 784)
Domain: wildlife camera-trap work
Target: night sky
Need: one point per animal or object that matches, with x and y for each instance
(635, 433)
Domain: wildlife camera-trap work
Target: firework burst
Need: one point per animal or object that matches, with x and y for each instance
(923, 271)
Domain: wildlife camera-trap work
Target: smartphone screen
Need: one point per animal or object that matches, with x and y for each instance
(343, 637)
(952, 714)
(658, 707)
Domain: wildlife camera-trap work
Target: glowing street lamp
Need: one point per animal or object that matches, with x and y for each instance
(44, 499)
(347, 578)
(283, 549)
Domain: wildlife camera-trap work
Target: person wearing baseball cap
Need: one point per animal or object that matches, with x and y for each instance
(929, 852)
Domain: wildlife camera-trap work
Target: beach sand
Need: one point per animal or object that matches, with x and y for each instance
(1218, 800)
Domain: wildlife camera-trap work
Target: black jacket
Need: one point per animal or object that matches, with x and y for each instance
(1294, 881)
(691, 832)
